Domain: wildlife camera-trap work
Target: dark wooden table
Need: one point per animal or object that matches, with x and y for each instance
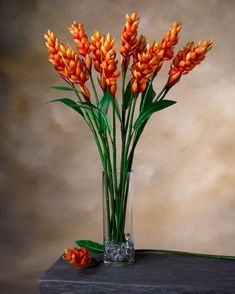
(152, 273)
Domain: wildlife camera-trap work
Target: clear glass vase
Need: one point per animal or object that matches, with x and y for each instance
(118, 218)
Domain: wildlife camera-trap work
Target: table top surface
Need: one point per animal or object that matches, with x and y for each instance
(151, 269)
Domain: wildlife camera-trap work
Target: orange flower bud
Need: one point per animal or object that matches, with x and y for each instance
(170, 40)
(53, 45)
(129, 38)
(143, 68)
(140, 47)
(186, 59)
(80, 38)
(174, 76)
(95, 47)
(108, 65)
(165, 50)
(85, 92)
(88, 62)
(78, 257)
(112, 85)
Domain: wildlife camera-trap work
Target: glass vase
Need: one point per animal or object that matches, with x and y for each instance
(118, 218)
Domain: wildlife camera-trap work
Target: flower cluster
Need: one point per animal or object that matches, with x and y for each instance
(75, 67)
(186, 59)
(67, 63)
(81, 39)
(79, 257)
(147, 62)
(129, 38)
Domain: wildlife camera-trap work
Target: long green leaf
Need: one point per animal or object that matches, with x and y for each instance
(105, 101)
(61, 88)
(117, 110)
(69, 102)
(157, 106)
(99, 248)
(147, 96)
(103, 107)
(104, 121)
(127, 95)
(90, 245)
(185, 253)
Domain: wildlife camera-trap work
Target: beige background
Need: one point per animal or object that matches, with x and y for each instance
(50, 174)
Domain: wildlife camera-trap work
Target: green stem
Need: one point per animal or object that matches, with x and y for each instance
(123, 131)
(165, 88)
(119, 235)
(160, 97)
(123, 139)
(105, 158)
(111, 185)
(91, 126)
(94, 89)
(114, 158)
(105, 182)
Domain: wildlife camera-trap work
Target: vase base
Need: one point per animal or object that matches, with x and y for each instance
(118, 263)
(119, 254)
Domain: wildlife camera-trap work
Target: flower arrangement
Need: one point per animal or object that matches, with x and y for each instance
(138, 99)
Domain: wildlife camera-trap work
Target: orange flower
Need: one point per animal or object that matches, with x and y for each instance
(129, 38)
(170, 40)
(81, 39)
(186, 59)
(140, 47)
(78, 257)
(108, 65)
(143, 68)
(67, 63)
(53, 45)
(166, 48)
(95, 47)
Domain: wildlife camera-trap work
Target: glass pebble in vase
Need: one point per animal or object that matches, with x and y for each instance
(118, 218)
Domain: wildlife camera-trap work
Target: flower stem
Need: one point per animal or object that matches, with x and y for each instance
(94, 88)
(121, 210)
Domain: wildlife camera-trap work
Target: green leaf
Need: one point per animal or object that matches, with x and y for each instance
(103, 107)
(61, 88)
(77, 106)
(147, 96)
(69, 102)
(117, 110)
(127, 96)
(105, 123)
(90, 245)
(157, 106)
(105, 101)
(103, 119)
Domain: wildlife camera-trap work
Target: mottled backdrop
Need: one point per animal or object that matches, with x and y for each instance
(50, 174)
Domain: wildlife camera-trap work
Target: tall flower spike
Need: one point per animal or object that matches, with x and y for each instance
(166, 47)
(95, 47)
(108, 65)
(83, 45)
(67, 63)
(129, 38)
(53, 45)
(143, 68)
(75, 70)
(186, 59)
(170, 40)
